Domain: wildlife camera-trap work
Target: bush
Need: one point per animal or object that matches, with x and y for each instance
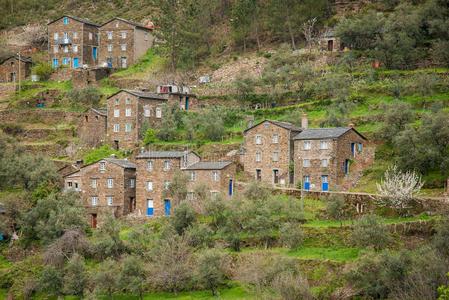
(336, 208)
(371, 232)
(43, 70)
(291, 286)
(183, 217)
(211, 269)
(291, 235)
(200, 236)
(90, 96)
(150, 136)
(104, 151)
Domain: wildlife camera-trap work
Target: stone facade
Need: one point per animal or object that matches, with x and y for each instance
(106, 185)
(156, 169)
(81, 78)
(73, 42)
(323, 157)
(185, 101)
(11, 70)
(122, 42)
(130, 111)
(329, 41)
(92, 127)
(268, 151)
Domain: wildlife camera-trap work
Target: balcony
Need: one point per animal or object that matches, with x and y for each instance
(64, 41)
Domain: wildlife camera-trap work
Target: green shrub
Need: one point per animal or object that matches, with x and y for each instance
(291, 235)
(150, 136)
(43, 70)
(90, 96)
(104, 151)
(370, 232)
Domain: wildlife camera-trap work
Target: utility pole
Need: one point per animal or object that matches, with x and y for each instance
(302, 184)
(18, 66)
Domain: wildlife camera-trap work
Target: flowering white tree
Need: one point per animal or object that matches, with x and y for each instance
(399, 189)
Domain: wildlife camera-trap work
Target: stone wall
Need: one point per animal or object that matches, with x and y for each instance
(61, 74)
(39, 116)
(47, 98)
(92, 128)
(6, 90)
(82, 78)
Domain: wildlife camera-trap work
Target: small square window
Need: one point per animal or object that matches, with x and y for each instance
(109, 35)
(110, 183)
(147, 112)
(116, 127)
(324, 162)
(128, 100)
(166, 165)
(267, 126)
(128, 112)
(69, 184)
(94, 183)
(123, 47)
(258, 139)
(214, 176)
(149, 165)
(116, 24)
(94, 200)
(116, 113)
(323, 145)
(128, 127)
(117, 101)
(132, 182)
(306, 163)
(158, 112)
(109, 200)
(102, 166)
(149, 185)
(275, 138)
(66, 20)
(307, 145)
(123, 34)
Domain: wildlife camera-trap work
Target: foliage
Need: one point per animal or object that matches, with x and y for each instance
(104, 151)
(183, 217)
(177, 189)
(292, 286)
(150, 136)
(396, 116)
(75, 276)
(107, 241)
(200, 235)
(50, 280)
(440, 241)
(43, 70)
(211, 269)
(132, 275)
(370, 232)
(106, 277)
(90, 96)
(291, 235)
(444, 291)
(72, 242)
(336, 208)
(167, 128)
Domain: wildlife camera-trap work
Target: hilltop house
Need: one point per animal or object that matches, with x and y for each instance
(72, 42)
(155, 170)
(105, 185)
(122, 42)
(128, 113)
(12, 69)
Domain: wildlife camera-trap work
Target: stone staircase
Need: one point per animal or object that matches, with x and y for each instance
(361, 162)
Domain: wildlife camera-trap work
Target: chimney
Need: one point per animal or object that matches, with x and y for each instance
(305, 122)
(113, 156)
(142, 149)
(351, 125)
(79, 163)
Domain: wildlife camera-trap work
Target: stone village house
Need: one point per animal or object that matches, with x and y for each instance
(92, 126)
(122, 42)
(72, 42)
(283, 153)
(105, 185)
(13, 70)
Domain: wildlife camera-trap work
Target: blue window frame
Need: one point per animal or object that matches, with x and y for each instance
(55, 63)
(65, 61)
(150, 207)
(346, 166)
(167, 207)
(66, 20)
(360, 146)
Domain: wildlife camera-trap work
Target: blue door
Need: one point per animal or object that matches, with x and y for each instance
(352, 149)
(167, 207)
(324, 183)
(307, 183)
(94, 52)
(55, 63)
(149, 207)
(75, 62)
(109, 62)
(346, 166)
(230, 187)
(187, 103)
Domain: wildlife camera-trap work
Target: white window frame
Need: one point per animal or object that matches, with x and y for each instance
(90, 36)
(66, 49)
(123, 34)
(116, 113)
(116, 127)
(132, 182)
(117, 101)
(128, 112)
(55, 36)
(75, 48)
(94, 183)
(215, 176)
(123, 46)
(192, 176)
(166, 184)
(116, 24)
(147, 112)
(191, 196)
(306, 163)
(258, 139)
(109, 47)
(166, 165)
(109, 35)
(307, 145)
(158, 112)
(128, 100)
(102, 166)
(276, 156)
(110, 200)
(75, 35)
(149, 165)
(213, 194)
(324, 162)
(275, 138)
(149, 186)
(94, 200)
(55, 49)
(258, 156)
(66, 35)
(110, 184)
(324, 145)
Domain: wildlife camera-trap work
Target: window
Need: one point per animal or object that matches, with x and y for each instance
(258, 157)
(55, 35)
(192, 175)
(258, 139)
(267, 126)
(128, 101)
(75, 48)
(190, 196)
(147, 112)
(109, 47)
(117, 101)
(94, 200)
(75, 35)
(128, 112)
(128, 128)
(90, 36)
(275, 138)
(123, 47)
(324, 162)
(76, 186)
(214, 195)
(102, 166)
(167, 165)
(275, 156)
(323, 145)
(116, 127)
(146, 37)
(109, 200)
(158, 112)
(116, 113)
(306, 163)
(66, 35)
(65, 61)
(94, 183)
(307, 145)
(166, 184)
(123, 34)
(360, 147)
(132, 182)
(149, 185)
(150, 207)
(109, 35)
(214, 176)
(66, 20)
(66, 49)
(116, 24)
(110, 183)
(55, 49)
(149, 165)
(69, 184)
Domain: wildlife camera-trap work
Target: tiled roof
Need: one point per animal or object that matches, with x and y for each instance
(286, 125)
(141, 94)
(129, 22)
(209, 165)
(121, 162)
(100, 111)
(77, 19)
(22, 58)
(162, 154)
(324, 133)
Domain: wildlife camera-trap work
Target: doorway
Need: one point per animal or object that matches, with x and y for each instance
(94, 220)
(109, 59)
(12, 77)
(330, 45)
(167, 207)
(276, 176)
(187, 103)
(132, 204)
(124, 62)
(258, 174)
(230, 187)
(116, 145)
(324, 183)
(75, 62)
(307, 183)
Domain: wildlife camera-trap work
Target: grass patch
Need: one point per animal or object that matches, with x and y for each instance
(338, 254)
(331, 223)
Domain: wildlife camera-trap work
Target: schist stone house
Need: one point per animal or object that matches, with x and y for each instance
(283, 153)
(323, 156)
(128, 112)
(122, 42)
(93, 125)
(268, 151)
(180, 95)
(73, 42)
(155, 170)
(106, 185)
(12, 70)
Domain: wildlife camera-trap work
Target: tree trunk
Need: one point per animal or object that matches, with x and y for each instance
(110, 295)
(213, 290)
(141, 295)
(244, 46)
(257, 38)
(175, 292)
(290, 31)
